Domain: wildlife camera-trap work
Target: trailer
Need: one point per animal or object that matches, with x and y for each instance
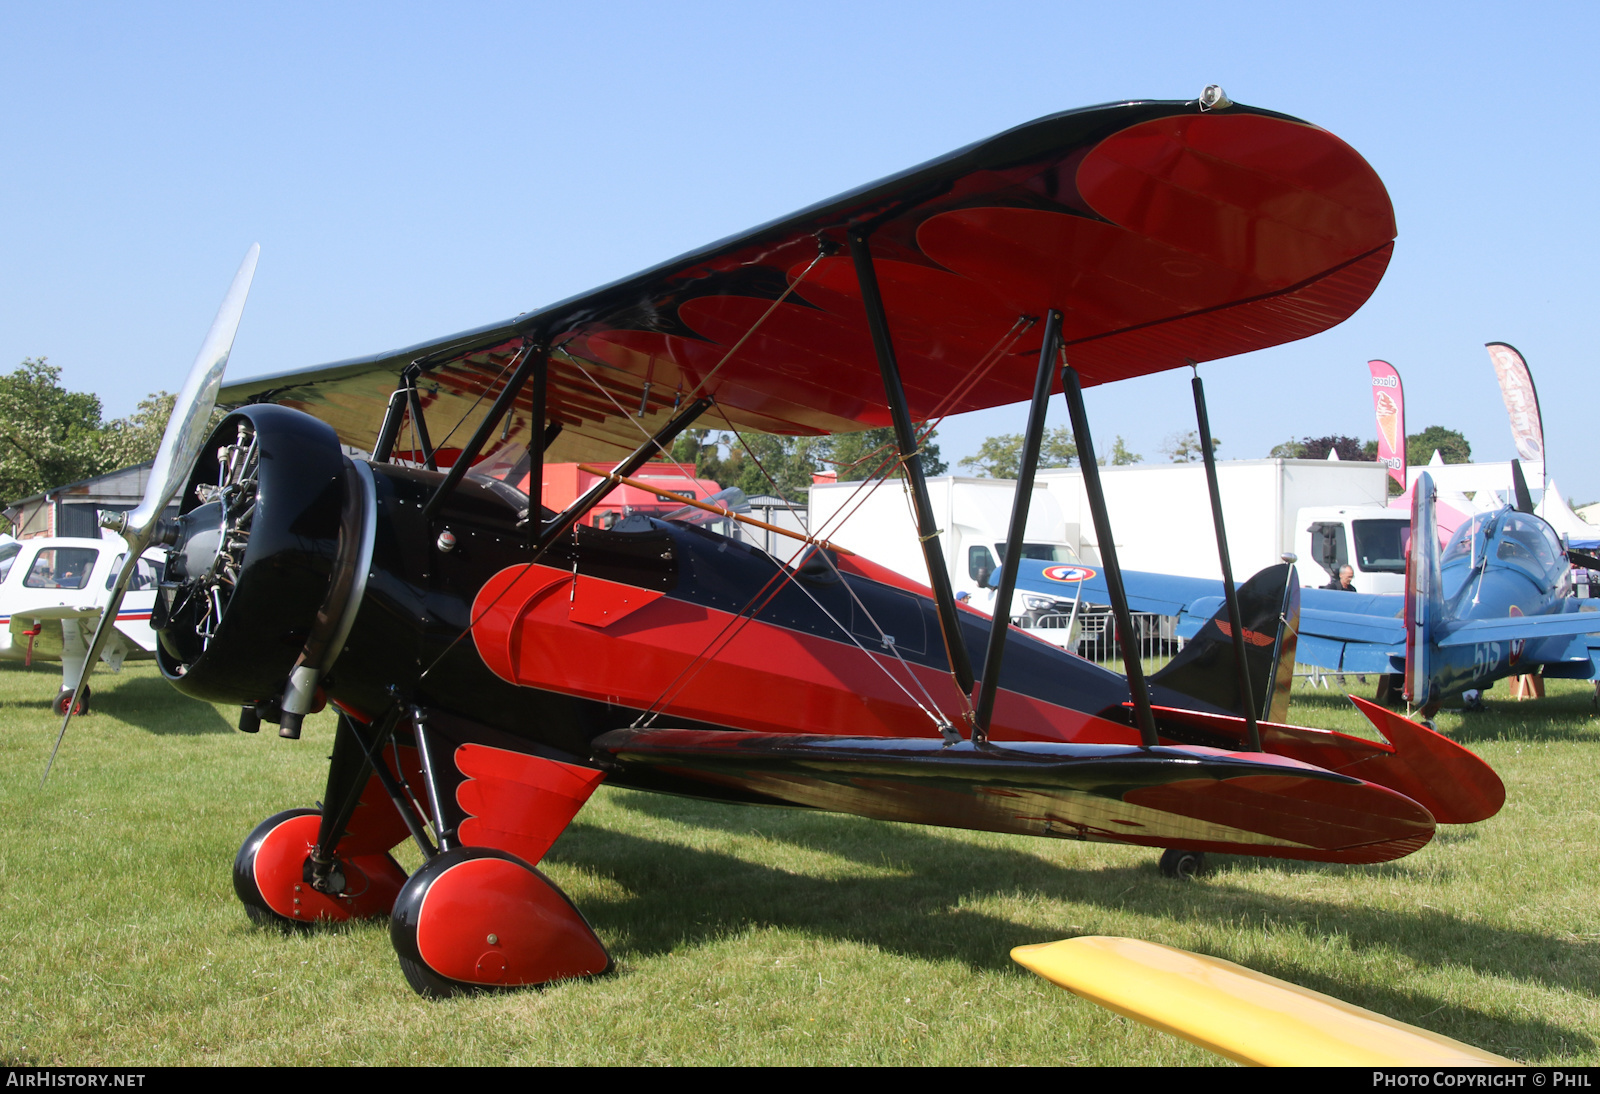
(874, 520)
(1327, 513)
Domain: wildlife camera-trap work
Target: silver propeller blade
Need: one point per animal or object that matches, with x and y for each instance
(175, 460)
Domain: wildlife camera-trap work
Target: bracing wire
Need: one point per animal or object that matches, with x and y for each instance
(534, 502)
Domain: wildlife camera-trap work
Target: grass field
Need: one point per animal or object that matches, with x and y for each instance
(751, 936)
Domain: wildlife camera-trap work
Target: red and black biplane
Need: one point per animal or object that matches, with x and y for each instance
(492, 661)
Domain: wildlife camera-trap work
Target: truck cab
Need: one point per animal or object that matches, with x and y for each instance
(1372, 540)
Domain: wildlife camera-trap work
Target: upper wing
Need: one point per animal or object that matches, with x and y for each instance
(1163, 233)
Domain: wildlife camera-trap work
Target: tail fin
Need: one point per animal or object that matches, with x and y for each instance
(1269, 608)
(1283, 651)
(1519, 487)
(1424, 601)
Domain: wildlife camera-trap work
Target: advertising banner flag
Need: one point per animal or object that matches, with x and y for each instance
(1522, 404)
(1389, 403)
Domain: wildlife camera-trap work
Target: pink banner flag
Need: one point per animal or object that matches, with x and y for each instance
(1389, 403)
(1522, 404)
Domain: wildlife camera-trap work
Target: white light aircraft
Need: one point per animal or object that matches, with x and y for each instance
(52, 593)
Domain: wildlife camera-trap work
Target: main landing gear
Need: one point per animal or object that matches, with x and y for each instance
(1182, 865)
(470, 919)
(272, 875)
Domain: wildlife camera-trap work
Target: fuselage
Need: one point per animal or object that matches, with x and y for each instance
(648, 622)
(1499, 565)
(675, 624)
(48, 583)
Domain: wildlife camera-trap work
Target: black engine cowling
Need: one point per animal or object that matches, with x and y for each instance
(262, 522)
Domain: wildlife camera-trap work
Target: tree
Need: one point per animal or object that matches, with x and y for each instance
(704, 450)
(746, 460)
(137, 438)
(1120, 456)
(856, 456)
(1317, 448)
(1001, 457)
(1349, 448)
(1185, 447)
(790, 461)
(49, 436)
(1450, 445)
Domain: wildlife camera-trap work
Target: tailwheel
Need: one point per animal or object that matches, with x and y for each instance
(272, 875)
(64, 698)
(1182, 865)
(475, 919)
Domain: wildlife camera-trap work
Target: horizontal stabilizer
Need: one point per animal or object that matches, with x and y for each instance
(1451, 782)
(1195, 798)
(1237, 1012)
(1517, 627)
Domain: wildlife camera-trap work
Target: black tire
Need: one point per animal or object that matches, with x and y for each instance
(427, 980)
(65, 696)
(244, 874)
(405, 920)
(430, 985)
(1182, 865)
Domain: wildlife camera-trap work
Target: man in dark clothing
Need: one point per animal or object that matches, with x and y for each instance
(1343, 584)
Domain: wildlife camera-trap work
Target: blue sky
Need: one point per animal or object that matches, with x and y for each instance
(412, 170)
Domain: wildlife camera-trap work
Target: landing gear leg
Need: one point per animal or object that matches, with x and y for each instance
(1391, 685)
(1182, 865)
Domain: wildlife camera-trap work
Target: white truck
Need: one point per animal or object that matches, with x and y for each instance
(973, 517)
(1326, 512)
(1329, 513)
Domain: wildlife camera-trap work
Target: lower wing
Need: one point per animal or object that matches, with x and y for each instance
(1192, 798)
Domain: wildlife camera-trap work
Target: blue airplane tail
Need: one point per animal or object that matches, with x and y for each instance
(1424, 599)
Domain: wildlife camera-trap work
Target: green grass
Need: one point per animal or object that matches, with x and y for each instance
(751, 936)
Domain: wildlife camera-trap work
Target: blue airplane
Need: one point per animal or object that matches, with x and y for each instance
(1497, 601)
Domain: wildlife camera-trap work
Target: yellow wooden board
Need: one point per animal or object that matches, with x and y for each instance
(1237, 1012)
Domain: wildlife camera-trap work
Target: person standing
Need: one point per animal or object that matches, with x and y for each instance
(1344, 583)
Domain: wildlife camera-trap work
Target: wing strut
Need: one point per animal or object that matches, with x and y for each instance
(911, 460)
(562, 523)
(540, 437)
(419, 423)
(1073, 391)
(1001, 622)
(1229, 592)
(390, 429)
(572, 514)
(403, 398)
(533, 361)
